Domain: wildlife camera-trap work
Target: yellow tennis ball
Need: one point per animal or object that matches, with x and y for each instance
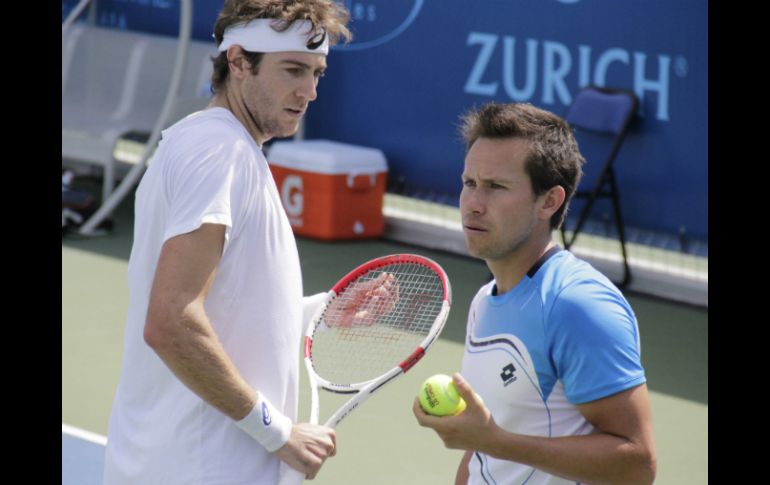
(439, 397)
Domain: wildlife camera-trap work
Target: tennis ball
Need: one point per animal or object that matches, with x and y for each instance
(438, 396)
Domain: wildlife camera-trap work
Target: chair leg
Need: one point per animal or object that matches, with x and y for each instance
(583, 217)
(621, 229)
(564, 235)
(607, 178)
(109, 179)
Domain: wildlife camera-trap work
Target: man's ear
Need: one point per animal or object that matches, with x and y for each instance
(237, 62)
(552, 201)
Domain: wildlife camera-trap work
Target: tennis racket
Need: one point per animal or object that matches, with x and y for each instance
(376, 323)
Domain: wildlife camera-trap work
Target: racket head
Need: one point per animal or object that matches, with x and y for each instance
(406, 301)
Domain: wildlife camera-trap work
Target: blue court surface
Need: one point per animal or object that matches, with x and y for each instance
(82, 456)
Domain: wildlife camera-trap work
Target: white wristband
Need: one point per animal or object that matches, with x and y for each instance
(266, 424)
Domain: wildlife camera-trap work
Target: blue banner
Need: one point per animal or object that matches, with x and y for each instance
(415, 65)
(151, 16)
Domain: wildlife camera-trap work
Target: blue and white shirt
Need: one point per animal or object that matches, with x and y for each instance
(565, 335)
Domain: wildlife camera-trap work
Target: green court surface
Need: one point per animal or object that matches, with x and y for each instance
(380, 443)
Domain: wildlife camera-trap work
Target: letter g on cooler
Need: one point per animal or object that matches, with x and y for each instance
(291, 195)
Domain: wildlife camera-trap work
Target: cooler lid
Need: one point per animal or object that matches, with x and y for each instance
(326, 156)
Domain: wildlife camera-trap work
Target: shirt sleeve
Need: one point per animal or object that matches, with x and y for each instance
(595, 342)
(205, 188)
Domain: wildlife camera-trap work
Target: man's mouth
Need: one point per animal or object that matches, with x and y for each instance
(473, 227)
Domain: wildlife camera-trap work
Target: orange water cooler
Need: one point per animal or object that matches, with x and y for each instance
(330, 190)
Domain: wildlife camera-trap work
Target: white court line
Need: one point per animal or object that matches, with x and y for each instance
(84, 435)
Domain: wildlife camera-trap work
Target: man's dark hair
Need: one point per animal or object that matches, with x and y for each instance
(553, 159)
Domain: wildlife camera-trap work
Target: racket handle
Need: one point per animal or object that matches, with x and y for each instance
(290, 476)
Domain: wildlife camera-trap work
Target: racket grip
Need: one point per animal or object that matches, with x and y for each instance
(290, 476)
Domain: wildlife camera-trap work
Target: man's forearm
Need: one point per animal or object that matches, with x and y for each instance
(178, 329)
(192, 351)
(599, 458)
(462, 470)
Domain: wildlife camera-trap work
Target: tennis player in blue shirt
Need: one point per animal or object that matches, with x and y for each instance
(551, 372)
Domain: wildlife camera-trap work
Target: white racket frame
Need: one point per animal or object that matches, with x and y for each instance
(363, 390)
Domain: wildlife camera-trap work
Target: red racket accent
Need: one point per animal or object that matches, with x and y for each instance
(412, 359)
(393, 259)
(308, 346)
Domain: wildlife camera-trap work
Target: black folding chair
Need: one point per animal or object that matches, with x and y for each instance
(601, 117)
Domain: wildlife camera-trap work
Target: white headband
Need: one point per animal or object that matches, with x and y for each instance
(259, 36)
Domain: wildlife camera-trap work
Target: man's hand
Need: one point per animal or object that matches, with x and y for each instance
(308, 447)
(467, 430)
(364, 303)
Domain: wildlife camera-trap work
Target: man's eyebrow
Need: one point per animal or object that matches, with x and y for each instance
(486, 180)
(296, 63)
(301, 64)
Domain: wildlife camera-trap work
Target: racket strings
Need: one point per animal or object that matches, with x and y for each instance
(386, 331)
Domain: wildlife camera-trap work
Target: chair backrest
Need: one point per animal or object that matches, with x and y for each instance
(602, 110)
(111, 76)
(601, 118)
(96, 66)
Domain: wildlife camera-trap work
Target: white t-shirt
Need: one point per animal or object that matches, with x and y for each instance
(208, 169)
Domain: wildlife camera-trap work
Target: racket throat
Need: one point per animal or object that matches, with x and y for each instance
(409, 362)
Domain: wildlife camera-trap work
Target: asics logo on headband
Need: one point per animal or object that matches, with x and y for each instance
(258, 35)
(313, 44)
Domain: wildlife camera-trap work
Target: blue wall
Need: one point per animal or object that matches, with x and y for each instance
(415, 65)
(151, 16)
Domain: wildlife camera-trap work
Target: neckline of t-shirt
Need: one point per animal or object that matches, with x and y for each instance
(525, 281)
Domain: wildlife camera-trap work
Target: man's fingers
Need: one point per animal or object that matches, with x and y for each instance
(418, 411)
(466, 391)
(332, 442)
(369, 301)
(423, 418)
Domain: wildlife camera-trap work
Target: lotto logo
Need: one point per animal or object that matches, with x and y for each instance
(507, 375)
